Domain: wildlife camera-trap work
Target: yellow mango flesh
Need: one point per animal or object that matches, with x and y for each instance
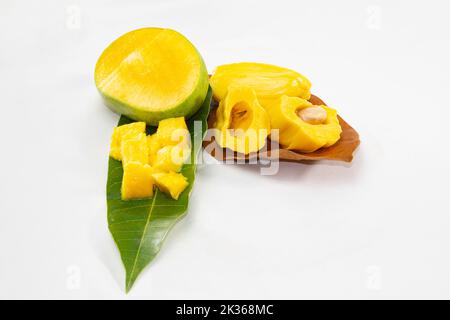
(173, 131)
(171, 158)
(119, 132)
(171, 183)
(135, 149)
(151, 74)
(153, 146)
(174, 142)
(164, 152)
(243, 123)
(137, 182)
(267, 80)
(296, 134)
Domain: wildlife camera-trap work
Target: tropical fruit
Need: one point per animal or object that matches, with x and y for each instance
(137, 181)
(303, 126)
(153, 159)
(151, 74)
(170, 158)
(174, 141)
(153, 146)
(171, 182)
(242, 121)
(135, 148)
(173, 131)
(268, 81)
(119, 132)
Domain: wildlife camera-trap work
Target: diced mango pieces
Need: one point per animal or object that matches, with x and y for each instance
(153, 147)
(171, 158)
(116, 141)
(157, 157)
(134, 148)
(171, 183)
(137, 182)
(170, 146)
(173, 131)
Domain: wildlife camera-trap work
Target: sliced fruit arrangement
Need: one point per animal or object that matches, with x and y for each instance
(152, 160)
(285, 99)
(156, 199)
(157, 80)
(152, 74)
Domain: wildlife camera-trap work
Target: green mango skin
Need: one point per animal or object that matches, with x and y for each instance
(186, 109)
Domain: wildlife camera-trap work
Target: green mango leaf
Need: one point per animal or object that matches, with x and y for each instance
(139, 227)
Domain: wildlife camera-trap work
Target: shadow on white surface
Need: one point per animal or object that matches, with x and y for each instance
(338, 172)
(105, 249)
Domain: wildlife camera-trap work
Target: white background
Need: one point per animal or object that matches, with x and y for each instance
(378, 228)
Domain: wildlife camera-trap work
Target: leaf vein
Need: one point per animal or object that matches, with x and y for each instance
(142, 239)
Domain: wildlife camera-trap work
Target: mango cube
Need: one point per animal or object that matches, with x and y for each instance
(171, 158)
(137, 181)
(134, 148)
(119, 132)
(153, 159)
(173, 131)
(171, 183)
(153, 147)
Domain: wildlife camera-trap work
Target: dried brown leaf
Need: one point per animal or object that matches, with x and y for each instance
(341, 151)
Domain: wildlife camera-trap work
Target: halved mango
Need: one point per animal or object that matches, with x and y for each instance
(267, 80)
(242, 121)
(137, 181)
(151, 74)
(297, 134)
(171, 183)
(129, 130)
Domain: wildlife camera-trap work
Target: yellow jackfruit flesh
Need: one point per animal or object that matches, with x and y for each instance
(242, 121)
(126, 130)
(268, 81)
(294, 132)
(171, 183)
(134, 148)
(170, 158)
(137, 181)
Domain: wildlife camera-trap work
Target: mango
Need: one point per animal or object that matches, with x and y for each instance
(151, 74)
(174, 141)
(171, 183)
(243, 123)
(153, 146)
(134, 149)
(119, 132)
(162, 154)
(171, 158)
(137, 181)
(173, 131)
